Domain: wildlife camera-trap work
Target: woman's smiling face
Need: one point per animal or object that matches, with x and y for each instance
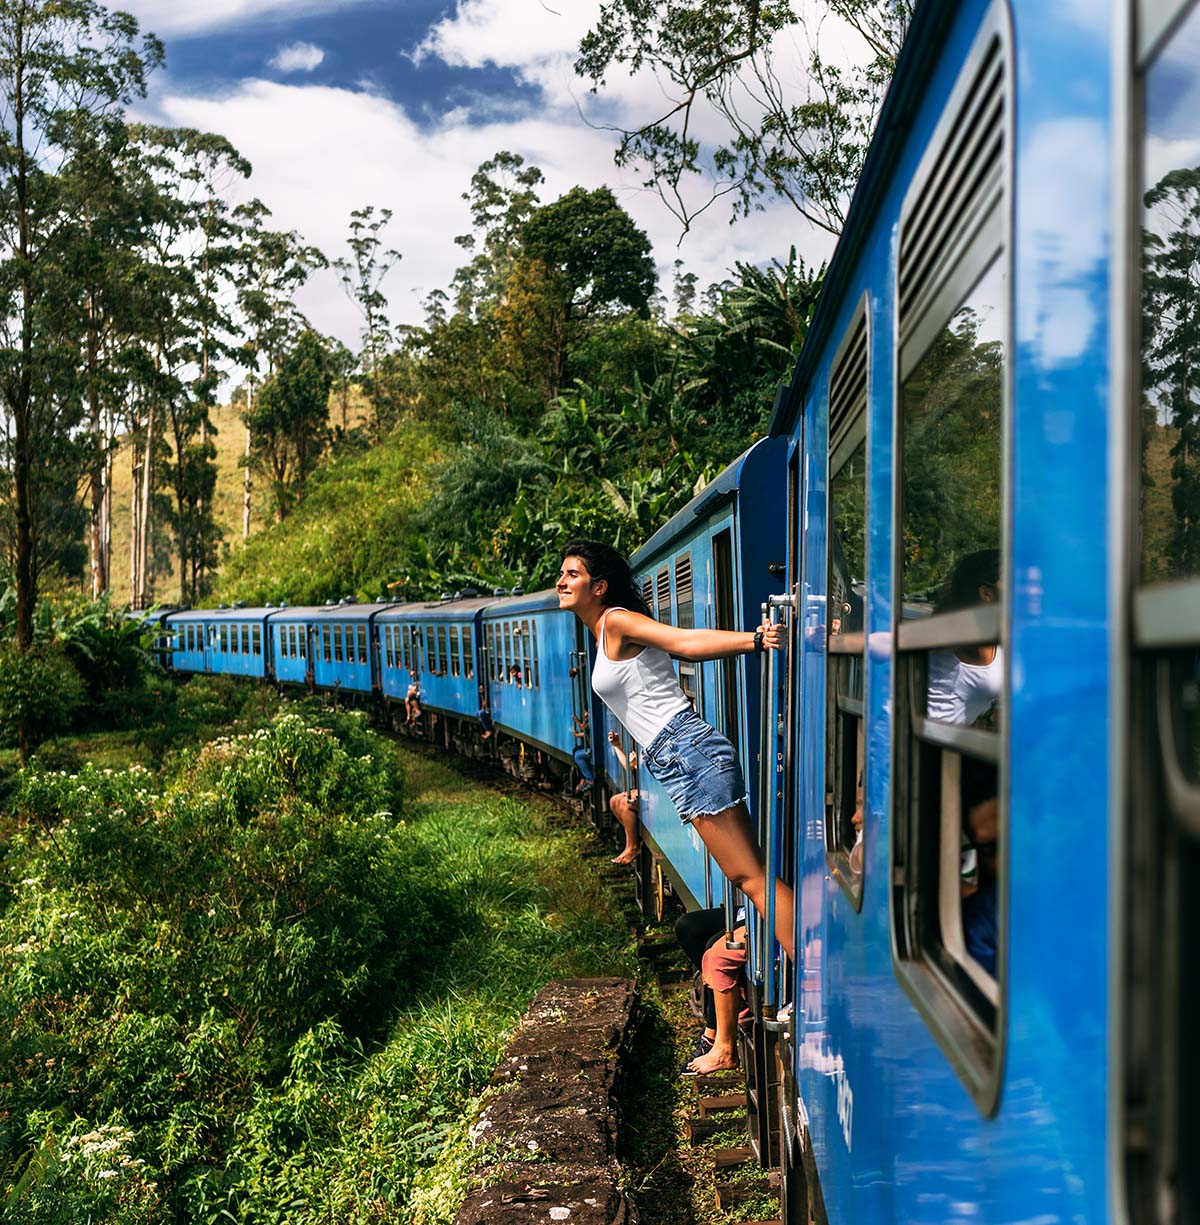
(574, 587)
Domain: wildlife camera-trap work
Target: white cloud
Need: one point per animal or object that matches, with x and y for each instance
(319, 152)
(298, 57)
(168, 18)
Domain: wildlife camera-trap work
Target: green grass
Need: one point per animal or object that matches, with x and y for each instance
(400, 1151)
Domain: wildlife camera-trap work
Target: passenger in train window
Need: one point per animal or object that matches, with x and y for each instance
(965, 682)
(634, 677)
(981, 805)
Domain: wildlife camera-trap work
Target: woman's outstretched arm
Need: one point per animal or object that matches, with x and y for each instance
(627, 632)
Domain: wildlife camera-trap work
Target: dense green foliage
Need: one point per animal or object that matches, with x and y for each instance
(492, 463)
(249, 987)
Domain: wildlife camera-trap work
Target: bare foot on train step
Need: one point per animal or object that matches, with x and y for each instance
(719, 1059)
(628, 855)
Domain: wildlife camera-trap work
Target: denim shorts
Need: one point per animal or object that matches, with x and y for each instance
(696, 766)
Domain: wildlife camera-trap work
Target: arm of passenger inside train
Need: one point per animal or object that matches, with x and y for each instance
(626, 631)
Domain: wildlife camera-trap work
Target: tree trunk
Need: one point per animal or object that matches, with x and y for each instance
(246, 486)
(134, 521)
(147, 492)
(99, 448)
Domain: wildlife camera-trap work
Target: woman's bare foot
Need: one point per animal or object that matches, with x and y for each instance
(718, 1059)
(628, 855)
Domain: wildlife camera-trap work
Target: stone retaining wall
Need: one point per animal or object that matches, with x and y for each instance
(546, 1135)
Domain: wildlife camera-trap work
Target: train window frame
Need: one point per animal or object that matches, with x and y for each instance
(954, 239)
(683, 580)
(301, 642)
(1158, 837)
(662, 595)
(533, 648)
(468, 649)
(848, 432)
(455, 651)
(339, 653)
(526, 654)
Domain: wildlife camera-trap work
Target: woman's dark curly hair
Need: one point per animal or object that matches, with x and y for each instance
(605, 562)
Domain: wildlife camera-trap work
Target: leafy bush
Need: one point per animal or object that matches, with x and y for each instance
(176, 954)
(40, 687)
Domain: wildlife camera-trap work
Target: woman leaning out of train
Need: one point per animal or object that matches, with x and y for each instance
(634, 678)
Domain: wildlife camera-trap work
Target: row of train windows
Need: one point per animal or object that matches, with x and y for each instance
(656, 591)
(512, 651)
(228, 639)
(293, 641)
(449, 649)
(342, 644)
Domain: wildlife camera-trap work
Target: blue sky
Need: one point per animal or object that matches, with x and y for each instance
(343, 103)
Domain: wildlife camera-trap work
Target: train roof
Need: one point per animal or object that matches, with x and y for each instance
(719, 490)
(437, 610)
(328, 612)
(221, 614)
(535, 601)
(922, 46)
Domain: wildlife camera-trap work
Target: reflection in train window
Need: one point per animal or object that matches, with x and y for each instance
(952, 442)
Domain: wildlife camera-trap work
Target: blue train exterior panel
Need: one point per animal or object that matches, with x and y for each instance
(229, 641)
(530, 647)
(438, 646)
(340, 646)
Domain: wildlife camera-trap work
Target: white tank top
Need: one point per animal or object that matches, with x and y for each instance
(642, 692)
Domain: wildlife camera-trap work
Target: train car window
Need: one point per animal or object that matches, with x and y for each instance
(845, 738)
(953, 305)
(455, 648)
(1161, 992)
(648, 592)
(337, 644)
(362, 644)
(224, 639)
(662, 589)
(246, 640)
(724, 618)
(256, 639)
(537, 670)
(526, 654)
(302, 641)
(468, 646)
(685, 607)
(326, 644)
(443, 650)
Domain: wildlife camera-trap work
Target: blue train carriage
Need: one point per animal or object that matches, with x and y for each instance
(290, 642)
(711, 566)
(437, 644)
(340, 646)
(949, 795)
(220, 640)
(530, 649)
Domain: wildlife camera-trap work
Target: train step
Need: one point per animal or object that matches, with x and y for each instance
(720, 1101)
(730, 1194)
(731, 1158)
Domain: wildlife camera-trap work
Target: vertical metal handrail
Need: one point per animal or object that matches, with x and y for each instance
(770, 802)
